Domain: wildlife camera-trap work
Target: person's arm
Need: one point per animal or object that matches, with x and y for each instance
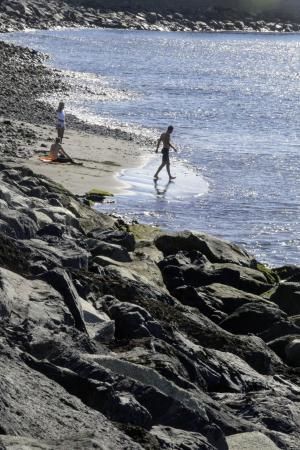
(158, 144)
(61, 150)
(172, 146)
(65, 154)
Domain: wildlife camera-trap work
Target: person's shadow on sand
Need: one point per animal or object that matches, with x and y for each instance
(161, 192)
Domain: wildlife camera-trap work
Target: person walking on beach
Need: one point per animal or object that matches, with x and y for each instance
(165, 139)
(60, 123)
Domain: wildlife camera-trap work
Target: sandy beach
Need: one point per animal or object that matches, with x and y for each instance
(102, 158)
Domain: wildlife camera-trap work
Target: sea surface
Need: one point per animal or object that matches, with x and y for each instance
(233, 100)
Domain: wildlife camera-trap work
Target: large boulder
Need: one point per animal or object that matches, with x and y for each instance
(287, 297)
(281, 328)
(292, 351)
(216, 250)
(122, 238)
(288, 348)
(113, 251)
(253, 317)
(250, 441)
(192, 268)
(244, 278)
(230, 298)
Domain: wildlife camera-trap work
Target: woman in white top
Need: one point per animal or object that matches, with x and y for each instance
(60, 123)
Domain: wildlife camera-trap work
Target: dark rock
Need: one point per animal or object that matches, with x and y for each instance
(16, 224)
(121, 238)
(177, 439)
(228, 298)
(60, 280)
(278, 329)
(292, 351)
(214, 249)
(288, 273)
(61, 416)
(105, 332)
(132, 321)
(62, 253)
(252, 318)
(112, 251)
(188, 295)
(279, 345)
(195, 272)
(287, 297)
(51, 230)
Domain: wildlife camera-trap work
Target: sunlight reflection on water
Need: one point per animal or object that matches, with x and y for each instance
(234, 102)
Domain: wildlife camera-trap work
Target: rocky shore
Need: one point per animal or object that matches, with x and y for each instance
(16, 15)
(119, 336)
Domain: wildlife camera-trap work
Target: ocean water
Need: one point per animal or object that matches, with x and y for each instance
(233, 100)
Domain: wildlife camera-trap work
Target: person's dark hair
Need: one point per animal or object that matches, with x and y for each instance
(170, 128)
(61, 106)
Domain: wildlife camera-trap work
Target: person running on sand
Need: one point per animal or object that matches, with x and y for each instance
(165, 140)
(57, 153)
(60, 123)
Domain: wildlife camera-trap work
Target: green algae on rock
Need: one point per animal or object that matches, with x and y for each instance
(97, 195)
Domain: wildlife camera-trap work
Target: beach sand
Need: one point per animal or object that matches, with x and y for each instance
(103, 159)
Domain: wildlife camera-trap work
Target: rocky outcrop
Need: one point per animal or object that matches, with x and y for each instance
(193, 353)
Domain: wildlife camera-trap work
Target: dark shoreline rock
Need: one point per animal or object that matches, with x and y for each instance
(132, 351)
(16, 15)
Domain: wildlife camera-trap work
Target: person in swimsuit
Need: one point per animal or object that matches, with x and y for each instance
(60, 122)
(57, 153)
(165, 140)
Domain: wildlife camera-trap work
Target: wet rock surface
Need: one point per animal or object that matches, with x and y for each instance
(108, 358)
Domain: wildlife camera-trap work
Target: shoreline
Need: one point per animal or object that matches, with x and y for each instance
(106, 157)
(27, 128)
(112, 181)
(64, 14)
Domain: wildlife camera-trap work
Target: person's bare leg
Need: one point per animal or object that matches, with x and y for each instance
(169, 173)
(159, 169)
(60, 134)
